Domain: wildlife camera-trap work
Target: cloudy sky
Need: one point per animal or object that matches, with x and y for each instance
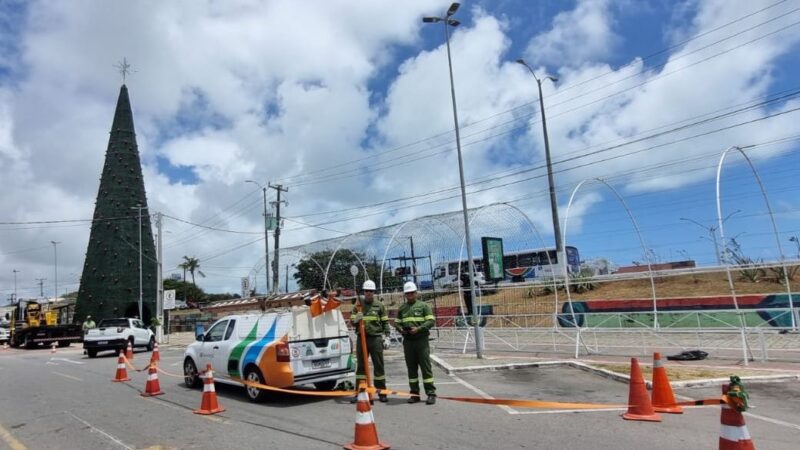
(348, 104)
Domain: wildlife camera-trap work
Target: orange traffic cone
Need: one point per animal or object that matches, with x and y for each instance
(156, 356)
(152, 388)
(639, 406)
(129, 352)
(663, 397)
(122, 372)
(209, 403)
(733, 434)
(366, 433)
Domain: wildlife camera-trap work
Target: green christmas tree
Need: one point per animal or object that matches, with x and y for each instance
(110, 278)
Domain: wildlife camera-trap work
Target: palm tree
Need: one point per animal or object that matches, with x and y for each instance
(191, 264)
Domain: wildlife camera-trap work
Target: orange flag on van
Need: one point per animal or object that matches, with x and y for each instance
(332, 304)
(316, 307)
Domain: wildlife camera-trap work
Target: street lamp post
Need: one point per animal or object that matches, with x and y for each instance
(55, 268)
(139, 212)
(448, 22)
(712, 232)
(266, 234)
(551, 182)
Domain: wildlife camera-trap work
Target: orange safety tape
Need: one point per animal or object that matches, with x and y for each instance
(507, 402)
(132, 367)
(294, 391)
(706, 401)
(167, 373)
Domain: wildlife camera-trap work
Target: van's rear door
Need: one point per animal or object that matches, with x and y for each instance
(319, 345)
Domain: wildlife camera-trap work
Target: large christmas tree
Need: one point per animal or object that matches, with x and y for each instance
(110, 279)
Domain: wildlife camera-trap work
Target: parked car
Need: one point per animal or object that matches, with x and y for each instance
(281, 349)
(115, 334)
(5, 333)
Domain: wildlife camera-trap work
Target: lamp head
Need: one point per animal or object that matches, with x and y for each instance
(453, 8)
(431, 19)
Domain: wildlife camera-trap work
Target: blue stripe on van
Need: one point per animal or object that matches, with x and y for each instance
(253, 352)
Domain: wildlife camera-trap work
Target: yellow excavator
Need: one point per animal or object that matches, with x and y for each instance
(33, 325)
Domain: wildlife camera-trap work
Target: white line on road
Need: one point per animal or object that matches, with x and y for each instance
(771, 420)
(565, 411)
(67, 360)
(476, 390)
(66, 376)
(94, 428)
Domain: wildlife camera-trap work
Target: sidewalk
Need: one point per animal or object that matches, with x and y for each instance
(615, 367)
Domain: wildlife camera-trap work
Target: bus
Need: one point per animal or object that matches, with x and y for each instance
(520, 266)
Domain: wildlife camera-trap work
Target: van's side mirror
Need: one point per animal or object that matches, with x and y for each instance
(199, 336)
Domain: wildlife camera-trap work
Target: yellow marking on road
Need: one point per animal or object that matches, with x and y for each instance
(11, 440)
(66, 376)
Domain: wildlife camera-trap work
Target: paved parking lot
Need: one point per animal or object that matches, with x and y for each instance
(68, 401)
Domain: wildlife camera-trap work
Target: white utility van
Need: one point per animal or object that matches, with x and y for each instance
(280, 348)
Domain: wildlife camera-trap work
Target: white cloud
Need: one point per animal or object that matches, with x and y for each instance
(582, 35)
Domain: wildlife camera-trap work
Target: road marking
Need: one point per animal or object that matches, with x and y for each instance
(565, 411)
(11, 440)
(476, 390)
(94, 428)
(66, 376)
(67, 360)
(179, 407)
(771, 420)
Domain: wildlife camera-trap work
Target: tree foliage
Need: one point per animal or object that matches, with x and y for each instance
(310, 271)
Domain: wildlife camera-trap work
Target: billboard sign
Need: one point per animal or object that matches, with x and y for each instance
(493, 269)
(169, 299)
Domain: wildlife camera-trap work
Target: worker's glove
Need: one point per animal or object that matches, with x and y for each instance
(357, 318)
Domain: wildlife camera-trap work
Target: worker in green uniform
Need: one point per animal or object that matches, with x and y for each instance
(376, 325)
(414, 321)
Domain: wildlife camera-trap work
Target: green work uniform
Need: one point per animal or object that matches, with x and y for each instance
(415, 346)
(376, 324)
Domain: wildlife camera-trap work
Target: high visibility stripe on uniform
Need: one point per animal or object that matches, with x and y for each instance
(413, 380)
(414, 319)
(734, 434)
(380, 378)
(361, 377)
(385, 318)
(370, 318)
(427, 380)
(430, 317)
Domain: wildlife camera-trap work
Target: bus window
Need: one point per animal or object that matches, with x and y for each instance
(510, 261)
(439, 272)
(452, 268)
(553, 257)
(527, 260)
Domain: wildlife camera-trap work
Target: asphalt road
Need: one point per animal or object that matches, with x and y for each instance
(67, 401)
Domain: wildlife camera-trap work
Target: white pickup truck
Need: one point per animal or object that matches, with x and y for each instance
(115, 334)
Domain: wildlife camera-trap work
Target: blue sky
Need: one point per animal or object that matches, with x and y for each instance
(353, 110)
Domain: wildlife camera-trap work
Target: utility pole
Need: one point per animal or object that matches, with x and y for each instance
(41, 286)
(266, 239)
(277, 204)
(413, 261)
(15, 284)
(286, 288)
(55, 267)
(159, 280)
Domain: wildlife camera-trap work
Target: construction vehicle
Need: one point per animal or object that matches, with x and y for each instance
(33, 325)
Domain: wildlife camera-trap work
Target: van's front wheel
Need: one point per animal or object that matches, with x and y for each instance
(253, 375)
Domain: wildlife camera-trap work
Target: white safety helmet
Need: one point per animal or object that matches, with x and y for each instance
(409, 287)
(369, 285)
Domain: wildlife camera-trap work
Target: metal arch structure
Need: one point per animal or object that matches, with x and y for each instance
(721, 221)
(423, 220)
(303, 255)
(333, 255)
(475, 214)
(638, 233)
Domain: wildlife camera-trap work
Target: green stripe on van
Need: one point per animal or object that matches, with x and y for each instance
(236, 354)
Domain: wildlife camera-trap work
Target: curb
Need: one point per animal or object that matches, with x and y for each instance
(616, 376)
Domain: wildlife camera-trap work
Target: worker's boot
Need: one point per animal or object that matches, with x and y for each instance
(431, 400)
(383, 398)
(414, 398)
